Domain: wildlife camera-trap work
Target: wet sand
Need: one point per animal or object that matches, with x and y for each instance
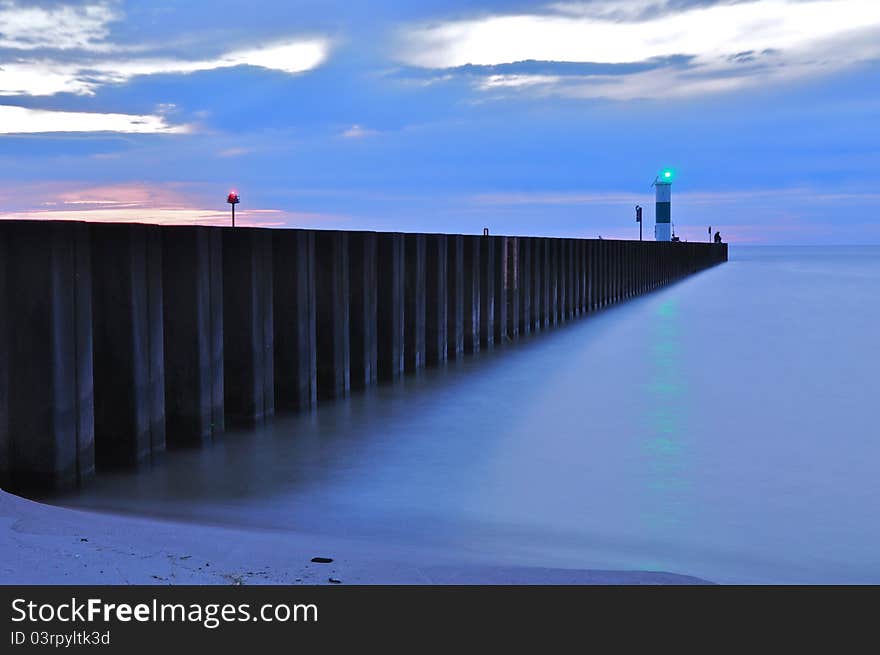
(43, 544)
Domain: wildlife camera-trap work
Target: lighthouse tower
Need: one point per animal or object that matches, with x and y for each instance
(663, 211)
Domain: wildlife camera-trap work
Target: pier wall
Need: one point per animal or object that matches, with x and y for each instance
(119, 341)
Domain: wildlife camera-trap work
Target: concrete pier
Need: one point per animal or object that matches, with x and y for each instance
(548, 292)
(363, 289)
(498, 303)
(555, 266)
(390, 300)
(437, 277)
(537, 284)
(47, 435)
(524, 284)
(293, 259)
(455, 296)
(332, 314)
(118, 339)
(582, 277)
(490, 248)
(248, 326)
(128, 343)
(192, 312)
(471, 271)
(414, 304)
(572, 279)
(510, 288)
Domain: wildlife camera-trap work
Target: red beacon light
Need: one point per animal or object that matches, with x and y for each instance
(233, 200)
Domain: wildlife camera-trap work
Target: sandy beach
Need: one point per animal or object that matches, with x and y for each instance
(44, 544)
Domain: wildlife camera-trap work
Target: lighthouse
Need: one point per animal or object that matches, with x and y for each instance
(663, 211)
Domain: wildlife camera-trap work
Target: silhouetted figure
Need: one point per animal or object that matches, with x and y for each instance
(718, 237)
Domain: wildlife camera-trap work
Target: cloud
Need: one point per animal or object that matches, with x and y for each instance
(357, 132)
(22, 120)
(235, 152)
(66, 48)
(772, 197)
(517, 81)
(44, 77)
(510, 198)
(682, 49)
(60, 27)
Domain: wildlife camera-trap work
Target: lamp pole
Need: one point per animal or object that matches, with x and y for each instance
(233, 200)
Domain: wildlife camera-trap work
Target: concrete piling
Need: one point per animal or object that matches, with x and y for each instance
(562, 272)
(472, 294)
(293, 259)
(553, 282)
(544, 257)
(414, 306)
(584, 277)
(332, 314)
(524, 283)
(455, 296)
(248, 326)
(128, 345)
(501, 304)
(437, 277)
(572, 284)
(390, 305)
(537, 284)
(510, 287)
(48, 439)
(489, 273)
(363, 289)
(192, 304)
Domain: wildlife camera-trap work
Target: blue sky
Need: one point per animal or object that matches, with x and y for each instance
(527, 117)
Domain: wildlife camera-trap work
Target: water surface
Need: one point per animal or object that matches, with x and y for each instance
(723, 427)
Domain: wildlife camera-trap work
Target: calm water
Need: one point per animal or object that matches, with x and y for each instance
(724, 427)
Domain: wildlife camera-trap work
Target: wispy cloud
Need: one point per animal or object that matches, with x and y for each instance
(23, 120)
(235, 152)
(61, 27)
(47, 76)
(67, 48)
(683, 198)
(357, 132)
(691, 49)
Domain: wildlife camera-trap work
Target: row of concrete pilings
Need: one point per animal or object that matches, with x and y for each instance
(117, 339)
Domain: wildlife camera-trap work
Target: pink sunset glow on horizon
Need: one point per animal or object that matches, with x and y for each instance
(162, 204)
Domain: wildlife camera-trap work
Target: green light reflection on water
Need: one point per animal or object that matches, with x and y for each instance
(664, 448)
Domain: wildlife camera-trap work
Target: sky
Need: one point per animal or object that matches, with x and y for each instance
(529, 118)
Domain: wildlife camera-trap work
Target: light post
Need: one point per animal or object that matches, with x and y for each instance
(639, 220)
(233, 200)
